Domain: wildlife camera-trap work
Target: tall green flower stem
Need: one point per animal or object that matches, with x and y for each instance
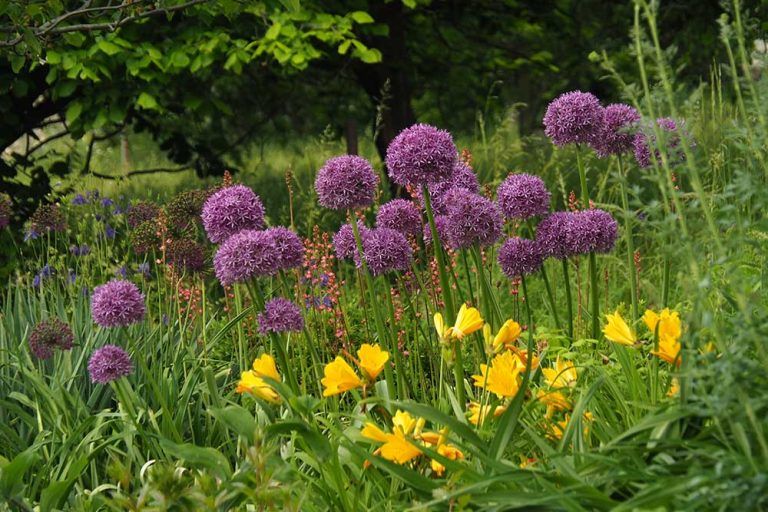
(568, 298)
(593, 284)
(550, 294)
(381, 329)
(623, 178)
(492, 305)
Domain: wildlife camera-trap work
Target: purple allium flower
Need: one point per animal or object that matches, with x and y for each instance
(48, 217)
(421, 154)
(49, 335)
(344, 241)
(618, 135)
(386, 249)
(144, 237)
(519, 256)
(472, 219)
(290, 248)
(591, 231)
(6, 208)
(108, 364)
(79, 199)
(109, 231)
(551, 235)
(346, 182)
(231, 210)
(442, 224)
(185, 254)
(185, 207)
(522, 196)
(400, 215)
(646, 139)
(142, 212)
(249, 253)
(463, 176)
(574, 118)
(280, 315)
(117, 303)
(106, 202)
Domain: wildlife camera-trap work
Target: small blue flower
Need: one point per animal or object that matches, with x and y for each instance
(324, 280)
(79, 199)
(327, 301)
(86, 292)
(36, 281)
(144, 270)
(165, 319)
(109, 231)
(119, 210)
(99, 217)
(122, 272)
(92, 194)
(107, 202)
(71, 277)
(46, 271)
(30, 235)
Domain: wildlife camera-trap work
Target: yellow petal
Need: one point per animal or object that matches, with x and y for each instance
(502, 377)
(403, 421)
(467, 321)
(251, 383)
(264, 366)
(618, 331)
(563, 375)
(651, 319)
(553, 399)
(371, 431)
(439, 325)
(508, 333)
(372, 360)
(339, 377)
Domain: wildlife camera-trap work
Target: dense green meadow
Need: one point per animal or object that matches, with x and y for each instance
(630, 376)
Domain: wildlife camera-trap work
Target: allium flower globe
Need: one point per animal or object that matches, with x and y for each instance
(386, 250)
(574, 118)
(344, 241)
(346, 182)
(108, 364)
(231, 210)
(186, 207)
(618, 135)
(49, 335)
(185, 254)
(591, 231)
(400, 215)
(247, 254)
(520, 256)
(48, 217)
(421, 154)
(142, 212)
(117, 303)
(472, 219)
(463, 177)
(645, 139)
(290, 248)
(551, 235)
(442, 224)
(522, 196)
(280, 315)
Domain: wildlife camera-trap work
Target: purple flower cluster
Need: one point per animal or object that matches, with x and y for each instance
(249, 253)
(108, 364)
(574, 118)
(185, 207)
(144, 237)
(49, 335)
(48, 217)
(80, 250)
(618, 133)
(442, 224)
(344, 241)
(645, 140)
(522, 196)
(290, 248)
(6, 208)
(463, 177)
(185, 254)
(472, 219)
(520, 256)
(280, 315)
(346, 182)
(421, 154)
(551, 235)
(591, 231)
(231, 210)
(142, 212)
(117, 303)
(400, 215)
(386, 250)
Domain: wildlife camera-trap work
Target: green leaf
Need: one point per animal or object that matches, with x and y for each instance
(65, 88)
(73, 112)
(12, 474)
(344, 47)
(273, 31)
(147, 101)
(317, 442)
(361, 17)
(236, 419)
(199, 456)
(17, 62)
(180, 59)
(108, 47)
(369, 55)
(53, 57)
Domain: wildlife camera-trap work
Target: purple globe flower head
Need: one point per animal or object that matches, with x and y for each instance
(442, 224)
(551, 235)
(520, 256)
(280, 315)
(646, 139)
(142, 212)
(108, 364)
(574, 118)
(472, 219)
(48, 217)
(49, 335)
(186, 207)
(421, 154)
(618, 136)
(386, 250)
(463, 176)
(344, 242)
(117, 303)
(400, 215)
(290, 248)
(522, 196)
(592, 230)
(346, 182)
(6, 208)
(184, 254)
(231, 210)
(245, 255)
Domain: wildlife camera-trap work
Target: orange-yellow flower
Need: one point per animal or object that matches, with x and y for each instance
(396, 447)
(446, 450)
(372, 360)
(251, 381)
(502, 377)
(508, 334)
(467, 321)
(478, 413)
(339, 377)
(554, 400)
(618, 331)
(669, 330)
(555, 430)
(563, 375)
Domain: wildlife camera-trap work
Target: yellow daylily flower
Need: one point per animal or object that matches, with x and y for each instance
(265, 366)
(618, 331)
(339, 377)
(440, 326)
(372, 360)
(449, 452)
(669, 330)
(555, 430)
(502, 377)
(467, 321)
(563, 375)
(480, 413)
(396, 447)
(674, 387)
(508, 334)
(554, 400)
(251, 381)
(404, 422)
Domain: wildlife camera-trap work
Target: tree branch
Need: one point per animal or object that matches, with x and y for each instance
(142, 171)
